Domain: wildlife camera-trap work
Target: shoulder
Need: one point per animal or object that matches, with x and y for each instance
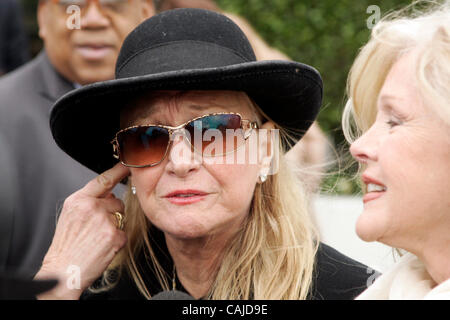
(21, 94)
(338, 277)
(25, 78)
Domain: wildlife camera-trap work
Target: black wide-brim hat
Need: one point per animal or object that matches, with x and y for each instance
(182, 49)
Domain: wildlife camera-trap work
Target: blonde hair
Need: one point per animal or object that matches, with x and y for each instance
(427, 30)
(271, 257)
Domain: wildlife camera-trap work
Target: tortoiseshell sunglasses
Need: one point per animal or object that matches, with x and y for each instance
(148, 145)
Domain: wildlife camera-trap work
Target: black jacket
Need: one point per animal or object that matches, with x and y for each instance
(336, 277)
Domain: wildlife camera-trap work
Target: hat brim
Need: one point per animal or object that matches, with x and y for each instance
(84, 121)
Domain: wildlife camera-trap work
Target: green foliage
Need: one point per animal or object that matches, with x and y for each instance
(325, 34)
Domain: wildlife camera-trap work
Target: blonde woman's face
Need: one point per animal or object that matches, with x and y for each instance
(193, 198)
(406, 155)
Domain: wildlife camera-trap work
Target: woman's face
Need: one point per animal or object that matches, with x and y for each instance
(226, 190)
(406, 156)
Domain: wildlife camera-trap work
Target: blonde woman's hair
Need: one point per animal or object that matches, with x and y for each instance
(422, 26)
(271, 257)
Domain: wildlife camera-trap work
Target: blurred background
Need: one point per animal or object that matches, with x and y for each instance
(326, 34)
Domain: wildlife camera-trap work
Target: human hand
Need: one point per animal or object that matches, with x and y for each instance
(86, 236)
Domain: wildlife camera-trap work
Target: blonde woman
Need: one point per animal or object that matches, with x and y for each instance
(191, 221)
(400, 103)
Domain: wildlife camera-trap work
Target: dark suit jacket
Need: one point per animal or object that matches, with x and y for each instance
(14, 49)
(8, 189)
(39, 176)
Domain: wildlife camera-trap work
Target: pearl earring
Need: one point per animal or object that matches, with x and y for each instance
(133, 190)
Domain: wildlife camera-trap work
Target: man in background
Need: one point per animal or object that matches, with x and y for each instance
(14, 50)
(41, 175)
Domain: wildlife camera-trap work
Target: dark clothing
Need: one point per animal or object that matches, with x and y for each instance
(41, 176)
(7, 192)
(336, 277)
(14, 49)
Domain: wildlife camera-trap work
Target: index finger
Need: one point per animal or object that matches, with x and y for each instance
(104, 183)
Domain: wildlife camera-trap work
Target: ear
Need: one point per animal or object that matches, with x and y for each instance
(148, 9)
(268, 143)
(42, 16)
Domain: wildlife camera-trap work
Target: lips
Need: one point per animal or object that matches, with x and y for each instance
(185, 197)
(374, 188)
(94, 51)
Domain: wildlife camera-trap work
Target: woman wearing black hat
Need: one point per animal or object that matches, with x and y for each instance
(204, 214)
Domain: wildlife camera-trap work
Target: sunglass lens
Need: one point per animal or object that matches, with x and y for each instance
(143, 146)
(216, 135)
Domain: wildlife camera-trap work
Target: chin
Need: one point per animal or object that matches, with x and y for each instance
(366, 228)
(94, 75)
(186, 230)
(186, 233)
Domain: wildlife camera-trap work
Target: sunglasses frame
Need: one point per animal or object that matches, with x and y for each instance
(87, 2)
(251, 125)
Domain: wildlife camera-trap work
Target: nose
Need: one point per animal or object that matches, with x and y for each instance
(364, 149)
(93, 17)
(182, 159)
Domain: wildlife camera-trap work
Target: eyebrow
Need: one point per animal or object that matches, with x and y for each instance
(195, 107)
(389, 97)
(200, 107)
(390, 104)
(386, 99)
